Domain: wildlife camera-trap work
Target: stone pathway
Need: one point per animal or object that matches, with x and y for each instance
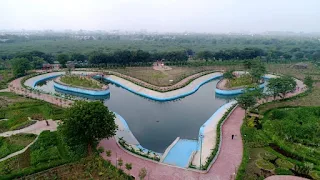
(36, 128)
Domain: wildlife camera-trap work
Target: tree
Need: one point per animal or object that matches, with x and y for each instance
(257, 71)
(37, 62)
(246, 100)
(274, 87)
(128, 167)
(308, 81)
(63, 58)
(142, 173)
(120, 162)
(287, 84)
(77, 57)
(20, 66)
(281, 86)
(247, 64)
(87, 123)
(228, 75)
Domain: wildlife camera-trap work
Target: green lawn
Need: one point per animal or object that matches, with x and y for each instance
(75, 80)
(284, 142)
(17, 109)
(9, 145)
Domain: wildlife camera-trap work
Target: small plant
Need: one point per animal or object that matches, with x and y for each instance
(120, 162)
(142, 173)
(128, 167)
(108, 153)
(100, 149)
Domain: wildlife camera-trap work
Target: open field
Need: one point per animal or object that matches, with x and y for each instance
(162, 78)
(17, 109)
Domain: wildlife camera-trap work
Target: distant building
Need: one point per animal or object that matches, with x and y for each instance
(301, 66)
(55, 66)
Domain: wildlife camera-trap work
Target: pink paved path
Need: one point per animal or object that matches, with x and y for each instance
(225, 166)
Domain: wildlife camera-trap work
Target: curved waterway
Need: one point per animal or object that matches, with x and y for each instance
(157, 124)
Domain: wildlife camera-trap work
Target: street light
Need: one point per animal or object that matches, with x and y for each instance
(201, 136)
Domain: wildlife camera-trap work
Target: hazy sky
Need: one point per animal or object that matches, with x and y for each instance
(162, 15)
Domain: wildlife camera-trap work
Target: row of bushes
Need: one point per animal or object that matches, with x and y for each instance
(131, 149)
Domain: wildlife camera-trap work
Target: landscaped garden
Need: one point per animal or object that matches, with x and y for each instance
(241, 81)
(5, 77)
(284, 142)
(48, 151)
(80, 81)
(9, 145)
(20, 112)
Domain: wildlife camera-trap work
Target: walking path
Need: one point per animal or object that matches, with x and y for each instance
(36, 128)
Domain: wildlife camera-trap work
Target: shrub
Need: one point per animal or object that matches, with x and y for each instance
(284, 164)
(266, 165)
(278, 114)
(282, 171)
(268, 156)
(100, 149)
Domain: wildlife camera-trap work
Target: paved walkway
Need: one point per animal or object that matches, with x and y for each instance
(284, 177)
(36, 128)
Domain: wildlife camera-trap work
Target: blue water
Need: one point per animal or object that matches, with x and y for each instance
(180, 153)
(157, 124)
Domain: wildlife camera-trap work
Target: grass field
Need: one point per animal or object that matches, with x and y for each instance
(75, 80)
(9, 145)
(17, 109)
(162, 78)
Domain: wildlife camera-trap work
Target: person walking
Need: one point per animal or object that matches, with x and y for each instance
(232, 136)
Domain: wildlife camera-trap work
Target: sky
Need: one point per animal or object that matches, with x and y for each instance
(212, 16)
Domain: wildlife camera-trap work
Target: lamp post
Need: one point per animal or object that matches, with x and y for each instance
(201, 136)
